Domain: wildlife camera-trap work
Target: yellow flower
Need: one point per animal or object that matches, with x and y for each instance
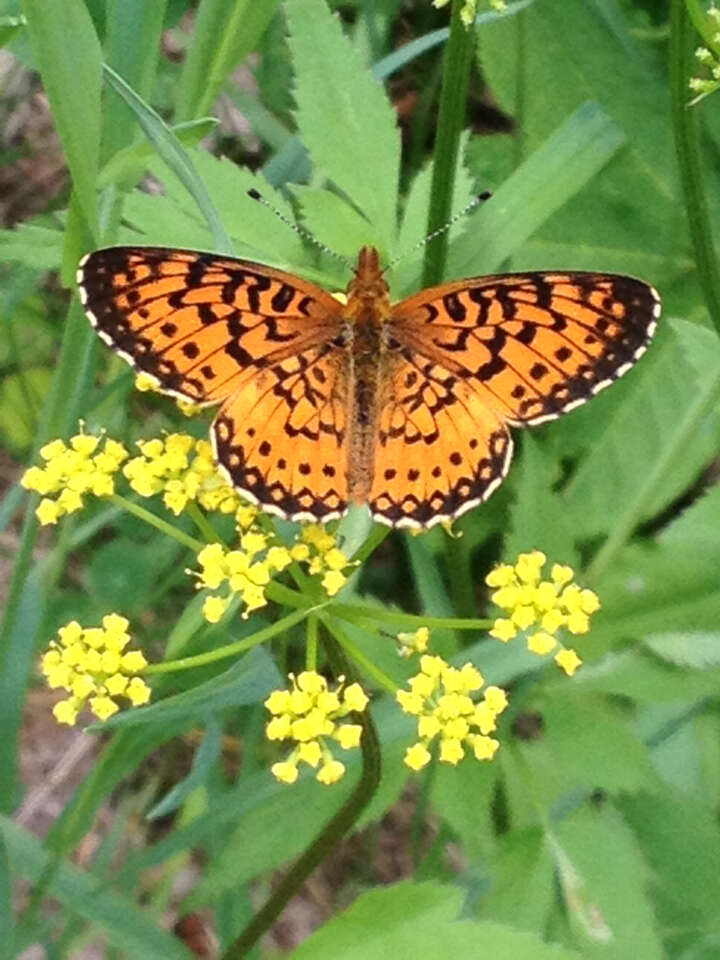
(540, 608)
(88, 663)
(440, 698)
(309, 714)
(71, 472)
(410, 643)
(568, 660)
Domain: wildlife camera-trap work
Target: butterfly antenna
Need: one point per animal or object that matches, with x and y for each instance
(301, 231)
(476, 201)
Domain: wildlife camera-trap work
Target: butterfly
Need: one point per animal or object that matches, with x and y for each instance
(405, 406)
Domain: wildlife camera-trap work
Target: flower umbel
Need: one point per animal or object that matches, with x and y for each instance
(86, 465)
(440, 697)
(183, 470)
(308, 714)
(540, 608)
(89, 664)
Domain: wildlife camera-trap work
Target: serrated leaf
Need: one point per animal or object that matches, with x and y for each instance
(657, 441)
(344, 118)
(526, 905)
(409, 920)
(332, 220)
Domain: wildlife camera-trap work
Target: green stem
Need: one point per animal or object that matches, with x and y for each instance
(202, 523)
(687, 146)
(331, 834)
(363, 662)
(354, 612)
(311, 648)
(375, 538)
(230, 649)
(287, 597)
(162, 525)
(451, 118)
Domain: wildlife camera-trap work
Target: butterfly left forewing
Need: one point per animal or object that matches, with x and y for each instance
(533, 345)
(194, 321)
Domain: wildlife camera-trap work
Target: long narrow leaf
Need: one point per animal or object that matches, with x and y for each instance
(172, 152)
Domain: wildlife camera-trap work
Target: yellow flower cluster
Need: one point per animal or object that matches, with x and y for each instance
(90, 665)
(318, 548)
(86, 465)
(410, 643)
(183, 470)
(469, 9)
(440, 697)
(541, 607)
(246, 571)
(308, 714)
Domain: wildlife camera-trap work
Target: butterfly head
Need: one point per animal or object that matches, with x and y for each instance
(368, 286)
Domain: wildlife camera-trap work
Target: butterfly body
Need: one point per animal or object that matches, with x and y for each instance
(404, 406)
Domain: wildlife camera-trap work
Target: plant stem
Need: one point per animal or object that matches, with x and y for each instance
(451, 118)
(230, 649)
(312, 644)
(331, 834)
(202, 523)
(354, 612)
(162, 525)
(363, 662)
(687, 147)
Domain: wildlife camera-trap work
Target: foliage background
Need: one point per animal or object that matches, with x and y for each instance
(594, 833)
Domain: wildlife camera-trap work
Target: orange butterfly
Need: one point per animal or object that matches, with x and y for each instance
(402, 406)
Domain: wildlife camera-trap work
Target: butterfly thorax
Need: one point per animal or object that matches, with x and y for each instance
(367, 312)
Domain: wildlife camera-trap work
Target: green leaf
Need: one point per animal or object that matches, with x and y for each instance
(345, 119)
(225, 31)
(694, 648)
(255, 230)
(636, 676)
(605, 882)
(550, 176)
(332, 220)
(125, 925)
(72, 84)
(170, 149)
(657, 589)
(538, 517)
(208, 752)
(132, 48)
(610, 66)
(573, 751)
(249, 680)
(526, 905)
(419, 920)
(681, 843)
(656, 442)
(32, 244)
